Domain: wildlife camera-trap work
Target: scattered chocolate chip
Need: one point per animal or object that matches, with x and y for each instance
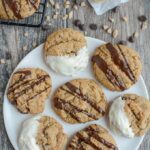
(142, 18)
(131, 39)
(82, 27)
(122, 42)
(46, 27)
(114, 10)
(8, 55)
(77, 22)
(93, 26)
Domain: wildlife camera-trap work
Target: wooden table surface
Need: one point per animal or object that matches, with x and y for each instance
(12, 41)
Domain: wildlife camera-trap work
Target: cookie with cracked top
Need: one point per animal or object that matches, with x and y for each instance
(79, 101)
(28, 89)
(116, 66)
(93, 137)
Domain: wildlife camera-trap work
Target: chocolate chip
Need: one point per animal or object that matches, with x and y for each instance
(122, 42)
(8, 55)
(93, 26)
(131, 39)
(82, 27)
(142, 18)
(77, 22)
(114, 10)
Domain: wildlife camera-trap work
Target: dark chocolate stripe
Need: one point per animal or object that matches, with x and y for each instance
(14, 7)
(77, 91)
(76, 109)
(26, 73)
(87, 140)
(111, 76)
(121, 63)
(58, 104)
(31, 86)
(93, 133)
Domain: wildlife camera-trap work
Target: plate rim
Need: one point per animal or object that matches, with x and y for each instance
(4, 110)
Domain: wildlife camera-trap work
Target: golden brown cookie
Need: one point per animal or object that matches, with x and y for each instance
(17, 9)
(137, 109)
(42, 133)
(117, 67)
(28, 89)
(64, 42)
(130, 115)
(65, 51)
(79, 101)
(93, 137)
(50, 135)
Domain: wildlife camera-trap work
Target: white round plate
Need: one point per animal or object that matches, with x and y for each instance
(13, 118)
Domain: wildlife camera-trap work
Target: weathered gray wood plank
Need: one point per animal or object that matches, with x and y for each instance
(12, 41)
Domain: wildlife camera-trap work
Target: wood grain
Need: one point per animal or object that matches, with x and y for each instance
(12, 40)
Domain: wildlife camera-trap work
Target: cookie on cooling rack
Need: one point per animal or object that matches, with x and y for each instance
(18, 9)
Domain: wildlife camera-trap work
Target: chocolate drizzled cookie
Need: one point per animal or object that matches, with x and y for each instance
(93, 137)
(17, 9)
(116, 66)
(80, 100)
(28, 89)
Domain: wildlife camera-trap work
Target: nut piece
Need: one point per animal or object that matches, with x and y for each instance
(115, 33)
(2, 61)
(26, 34)
(25, 48)
(57, 6)
(83, 4)
(52, 2)
(136, 34)
(109, 30)
(144, 25)
(111, 19)
(125, 19)
(70, 15)
(105, 27)
(75, 7)
(34, 44)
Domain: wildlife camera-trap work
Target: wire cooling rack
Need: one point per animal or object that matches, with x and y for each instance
(35, 20)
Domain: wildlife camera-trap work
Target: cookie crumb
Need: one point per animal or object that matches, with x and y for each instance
(65, 17)
(131, 39)
(47, 18)
(122, 42)
(34, 44)
(82, 27)
(70, 15)
(77, 22)
(75, 7)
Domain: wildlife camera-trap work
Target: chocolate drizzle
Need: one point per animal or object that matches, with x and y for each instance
(93, 133)
(13, 5)
(111, 76)
(31, 86)
(78, 92)
(69, 108)
(122, 63)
